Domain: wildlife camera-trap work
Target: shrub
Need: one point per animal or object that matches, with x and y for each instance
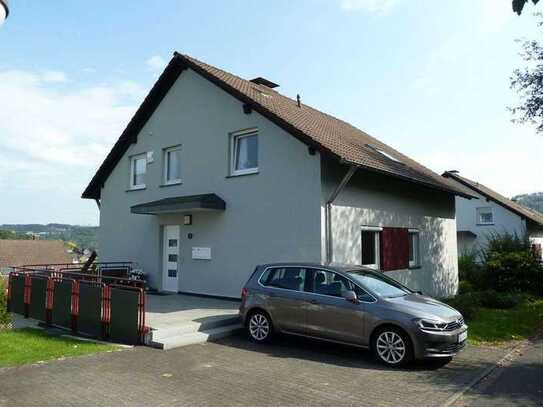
(470, 270)
(5, 316)
(514, 272)
(494, 299)
(464, 286)
(505, 242)
(467, 304)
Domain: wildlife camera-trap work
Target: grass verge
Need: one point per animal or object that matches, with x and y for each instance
(28, 345)
(501, 325)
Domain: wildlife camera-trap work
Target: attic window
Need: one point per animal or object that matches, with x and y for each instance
(384, 153)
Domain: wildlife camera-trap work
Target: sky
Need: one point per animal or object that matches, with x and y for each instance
(429, 78)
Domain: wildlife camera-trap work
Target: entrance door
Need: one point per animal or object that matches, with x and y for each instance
(170, 258)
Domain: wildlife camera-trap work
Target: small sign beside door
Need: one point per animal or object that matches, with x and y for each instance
(201, 253)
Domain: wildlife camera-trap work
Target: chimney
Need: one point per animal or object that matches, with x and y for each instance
(298, 100)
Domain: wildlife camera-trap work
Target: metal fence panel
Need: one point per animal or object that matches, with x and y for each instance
(37, 298)
(89, 320)
(62, 303)
(124, 316)
(17, 293)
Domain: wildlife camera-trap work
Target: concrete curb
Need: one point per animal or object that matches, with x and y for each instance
(485, 373)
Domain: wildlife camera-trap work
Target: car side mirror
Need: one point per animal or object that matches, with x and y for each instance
(350, 296)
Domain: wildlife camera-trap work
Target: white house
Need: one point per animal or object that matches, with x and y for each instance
(490, 213)
(215, 174)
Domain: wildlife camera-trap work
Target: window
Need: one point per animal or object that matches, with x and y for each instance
(172, 242)
(485, 216)
(138, 167)
(289, 278)
(385, 154)
(172, 165)
(172, 273)
(378, 283)
(414, 248)
(370, 247)
(244, 153)
(172, 258)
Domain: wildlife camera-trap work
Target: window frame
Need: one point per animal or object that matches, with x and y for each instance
(478, 215)
(273, 268)
(415, 263)
(377, 236)
(314, 269)
(133, 159)
(238, 135)
(307, 269)
(166, 151)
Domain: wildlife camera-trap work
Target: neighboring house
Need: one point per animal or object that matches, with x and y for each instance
(26, 252)
(491, 213)
(215, 174)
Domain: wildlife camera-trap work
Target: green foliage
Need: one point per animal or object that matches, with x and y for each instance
(498, 325)
(517, 271)
(497, 300)
(518, 5)
(5, 316)
(29, 345)
(506, 242)
(467, 304)
(464, 286)
(84, 237)
(471, 271)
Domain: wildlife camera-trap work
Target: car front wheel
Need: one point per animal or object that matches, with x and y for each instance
(392, 347)
(259, 327)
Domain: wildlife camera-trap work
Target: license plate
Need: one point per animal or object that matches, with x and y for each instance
(463, 336)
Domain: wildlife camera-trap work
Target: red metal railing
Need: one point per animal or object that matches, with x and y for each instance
(60, 272)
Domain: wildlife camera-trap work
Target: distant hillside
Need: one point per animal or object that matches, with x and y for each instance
(83, 236)
(534, 200)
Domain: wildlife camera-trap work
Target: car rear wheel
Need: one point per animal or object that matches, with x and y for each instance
(259, 327)
(392, 347)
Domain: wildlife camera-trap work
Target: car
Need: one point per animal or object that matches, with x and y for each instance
(350, 305)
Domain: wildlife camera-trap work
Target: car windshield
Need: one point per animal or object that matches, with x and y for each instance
(378, 284)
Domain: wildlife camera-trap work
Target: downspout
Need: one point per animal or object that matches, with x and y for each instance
(328, 212)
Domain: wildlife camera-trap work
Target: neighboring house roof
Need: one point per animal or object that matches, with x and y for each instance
(316, 129)
(492, 195)
(26, 252)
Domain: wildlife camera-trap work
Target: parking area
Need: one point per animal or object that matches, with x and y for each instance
(235, 372)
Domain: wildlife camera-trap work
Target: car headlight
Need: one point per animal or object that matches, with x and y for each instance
(430, 325)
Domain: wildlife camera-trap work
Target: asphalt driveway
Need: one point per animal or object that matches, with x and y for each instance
(235, 372)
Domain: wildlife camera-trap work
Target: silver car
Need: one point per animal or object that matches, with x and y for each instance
(350, 305)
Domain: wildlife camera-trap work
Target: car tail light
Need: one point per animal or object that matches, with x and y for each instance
(244, 293)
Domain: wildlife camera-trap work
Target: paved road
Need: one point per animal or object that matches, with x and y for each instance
(518, 383)
(234, 372)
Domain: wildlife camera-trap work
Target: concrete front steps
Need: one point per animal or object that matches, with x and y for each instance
(185, 333)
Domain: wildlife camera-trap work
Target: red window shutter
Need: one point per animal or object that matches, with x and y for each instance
(394, 249)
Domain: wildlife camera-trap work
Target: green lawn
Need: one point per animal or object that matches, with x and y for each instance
(500, 325)
(30, 345)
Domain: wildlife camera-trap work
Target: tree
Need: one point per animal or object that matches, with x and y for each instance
(528, 82)
(518, 5)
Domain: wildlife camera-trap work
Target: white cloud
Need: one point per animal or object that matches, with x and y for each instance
(495, 14)
(52, 140)
(156, 63)
(379, 6)
(54, 76)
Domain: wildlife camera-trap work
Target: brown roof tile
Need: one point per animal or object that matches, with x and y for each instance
(513, 206)
(313, 127)
(26, 252)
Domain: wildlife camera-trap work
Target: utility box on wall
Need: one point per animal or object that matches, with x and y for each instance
(201, 253)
